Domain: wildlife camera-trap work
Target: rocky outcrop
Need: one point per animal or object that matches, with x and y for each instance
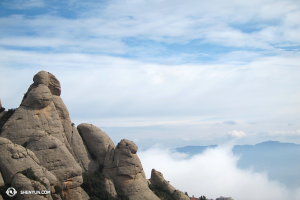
(96, 141)
(54, 156)
(21, 182)
(84, 195)
(157, 178)
(110, 187)
(123, 166)
(82, 154)
(40, 135)
(15, 158)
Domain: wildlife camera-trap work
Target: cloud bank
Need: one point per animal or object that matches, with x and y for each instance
(214, 173)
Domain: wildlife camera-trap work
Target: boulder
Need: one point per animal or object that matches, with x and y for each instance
(96, 141)
(123, 166)
(110, 187)
(54, 155)
(81, 153)
(15, 158)
(21, 182)
(39, 97)
(26, 120)
(84, 195)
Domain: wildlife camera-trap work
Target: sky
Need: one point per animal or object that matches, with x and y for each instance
(170, 73)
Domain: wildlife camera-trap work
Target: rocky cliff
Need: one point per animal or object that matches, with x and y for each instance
(39, 136)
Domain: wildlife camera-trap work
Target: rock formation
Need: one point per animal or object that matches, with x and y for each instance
(40, 136)
(157, 178)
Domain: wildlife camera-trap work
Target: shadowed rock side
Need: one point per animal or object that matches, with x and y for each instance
(40, 135)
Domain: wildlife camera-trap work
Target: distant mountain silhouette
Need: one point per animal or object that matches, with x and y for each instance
(280, 160)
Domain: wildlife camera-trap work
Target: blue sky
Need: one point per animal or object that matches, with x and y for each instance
(172, 73)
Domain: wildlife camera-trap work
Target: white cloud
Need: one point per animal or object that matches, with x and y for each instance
(285, 133)
(213, 173)
(215, 22)
(237, 134)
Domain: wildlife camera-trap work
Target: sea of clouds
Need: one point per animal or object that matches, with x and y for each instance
(214, 173)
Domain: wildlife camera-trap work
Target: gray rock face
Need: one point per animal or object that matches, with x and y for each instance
(96, 141)
(26, 121)
(84, 195)
(21, 182)
(110, 187)
(123, 166)
(15, 158)
(157, 178)
(54, 156)
(39, 97)
(82, 154)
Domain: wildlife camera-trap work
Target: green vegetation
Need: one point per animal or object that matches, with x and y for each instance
(202, 198)
(58, 191)
(5, 117)
(162, 192)
(30, 174)
(94, 186)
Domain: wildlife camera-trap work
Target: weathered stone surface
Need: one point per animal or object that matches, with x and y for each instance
(41, 78)
(73, 194)
(82, 155)
(1, 180)
(26, 121)
(84, 195)
(21, 182)
(38, 98)
(96, 141)
(64, 116)
(110, 187)
(54, 155)
(157, 178)
(1, 197)
(123, 166)
(49, 80)
(11, 162)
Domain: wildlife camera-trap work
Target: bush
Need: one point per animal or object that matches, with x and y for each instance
(162, 192)
(30, 174)
(94, 186)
